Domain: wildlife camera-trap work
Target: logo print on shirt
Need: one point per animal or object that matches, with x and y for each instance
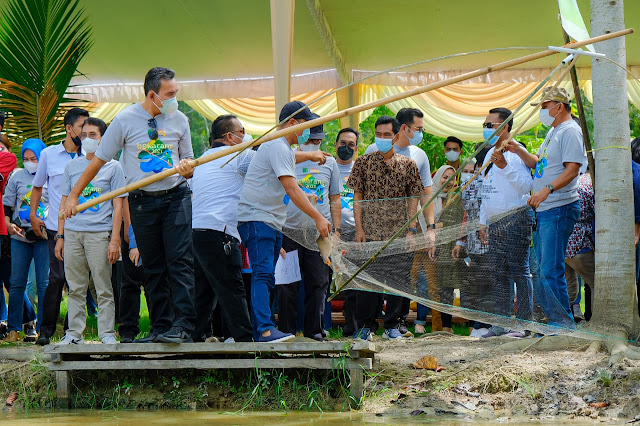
(25, 209)
(155, 156)
(89, 193)
(310, 185)
(346, 195)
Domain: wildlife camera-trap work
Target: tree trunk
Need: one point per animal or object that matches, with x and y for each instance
(616, 308)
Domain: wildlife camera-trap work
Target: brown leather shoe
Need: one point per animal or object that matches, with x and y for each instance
(12, 337)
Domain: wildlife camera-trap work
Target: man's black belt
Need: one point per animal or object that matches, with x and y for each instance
(158, 193)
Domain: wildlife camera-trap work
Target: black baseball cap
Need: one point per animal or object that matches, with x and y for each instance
(317, 132)
(294, 106)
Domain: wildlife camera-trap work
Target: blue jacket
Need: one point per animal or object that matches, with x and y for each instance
(635, 168)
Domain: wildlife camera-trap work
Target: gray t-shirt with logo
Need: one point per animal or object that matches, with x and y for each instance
(99, 217)
(262, 193)
(563, 144)
(142, 157)
(17, 195)
(346, 198)
(320, 180)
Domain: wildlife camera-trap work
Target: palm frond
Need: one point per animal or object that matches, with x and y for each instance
(41, 43)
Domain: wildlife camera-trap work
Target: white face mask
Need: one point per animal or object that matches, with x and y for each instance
(465, 177)
(31, 166)
(452, 155)
(545, 116)
(308, 147)
(90, 145)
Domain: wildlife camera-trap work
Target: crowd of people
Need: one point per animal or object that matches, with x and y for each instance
(203, 243)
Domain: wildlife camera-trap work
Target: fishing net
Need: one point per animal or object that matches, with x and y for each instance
(495, 282)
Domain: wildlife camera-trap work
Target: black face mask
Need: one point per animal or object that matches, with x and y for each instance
(345, 153)
(76, 140)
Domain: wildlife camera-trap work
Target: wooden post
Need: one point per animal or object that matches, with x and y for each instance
(62, 389)
(356, 383)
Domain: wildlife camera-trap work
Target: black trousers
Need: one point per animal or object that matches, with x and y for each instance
(162, 224)
(53, 294)
(132, 279)
(368, 303)
(218, 275)
(315, 274)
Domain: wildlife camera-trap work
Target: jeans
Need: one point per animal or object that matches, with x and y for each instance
(509, 244)
(554, 228)
(219, 275)
(53, 294)
(162, 226)
(316, 283)
(21, 255)
(263, 244)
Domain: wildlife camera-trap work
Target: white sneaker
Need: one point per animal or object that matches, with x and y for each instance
(478, 332)
(70, 340)
(109, 339)
(229, 340)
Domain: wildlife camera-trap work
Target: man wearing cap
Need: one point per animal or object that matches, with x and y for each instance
(555, 194)
(262, 213)
(322, 184)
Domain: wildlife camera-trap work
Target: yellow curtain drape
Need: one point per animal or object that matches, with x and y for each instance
(258, 114)
(107, 111)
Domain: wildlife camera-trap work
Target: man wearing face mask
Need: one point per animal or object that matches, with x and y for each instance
(90, 242)
(262, 214)
(51, 164)
(155, 136)
(505, 186)
(555, 193)
(452, 150)
(322, 183)
(384, 175)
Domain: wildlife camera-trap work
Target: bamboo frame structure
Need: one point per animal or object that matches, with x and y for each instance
(344, 113)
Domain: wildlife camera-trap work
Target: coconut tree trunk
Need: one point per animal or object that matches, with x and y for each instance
(615, 308)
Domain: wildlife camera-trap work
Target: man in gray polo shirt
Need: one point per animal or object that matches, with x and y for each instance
(155, 136)
(555, 195)
(262, 213)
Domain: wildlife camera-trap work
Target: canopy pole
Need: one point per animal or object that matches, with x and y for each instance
(340, 114)
(282, 24)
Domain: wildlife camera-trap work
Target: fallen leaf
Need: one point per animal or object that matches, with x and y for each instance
(11, 398)
(599, 404)
(427, 363)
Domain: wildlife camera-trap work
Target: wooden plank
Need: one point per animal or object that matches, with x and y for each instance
(212, 364)
(62, 388)
(213, 348)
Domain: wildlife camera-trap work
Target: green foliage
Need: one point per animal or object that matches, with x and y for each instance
(41, 44)
(200, 128)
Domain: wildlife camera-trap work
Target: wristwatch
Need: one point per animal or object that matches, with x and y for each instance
(432, 226)
(550, 188)
(413, 230)
(59, 236)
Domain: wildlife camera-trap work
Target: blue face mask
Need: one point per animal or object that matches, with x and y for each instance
(417, 138)
(384, 145)
(486, 133)
(302, 139)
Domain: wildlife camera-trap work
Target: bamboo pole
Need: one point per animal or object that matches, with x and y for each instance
(341, 114)
(583, 120)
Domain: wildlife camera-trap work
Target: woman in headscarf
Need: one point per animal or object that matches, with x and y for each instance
(25, 246)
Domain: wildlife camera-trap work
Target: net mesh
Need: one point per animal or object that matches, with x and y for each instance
(495, 282)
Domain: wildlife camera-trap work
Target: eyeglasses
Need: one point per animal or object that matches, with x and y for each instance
(419, 129)
(345, 143)
(490, 125)
(153, 131)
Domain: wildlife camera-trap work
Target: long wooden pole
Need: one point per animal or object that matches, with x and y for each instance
(344, 113)
(583, 119)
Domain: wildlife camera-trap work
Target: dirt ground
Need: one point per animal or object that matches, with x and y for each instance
(503, 379)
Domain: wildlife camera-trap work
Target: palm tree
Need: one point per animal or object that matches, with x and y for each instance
(41, 44)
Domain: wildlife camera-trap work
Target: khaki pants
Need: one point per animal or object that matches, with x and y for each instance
(86, 252)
